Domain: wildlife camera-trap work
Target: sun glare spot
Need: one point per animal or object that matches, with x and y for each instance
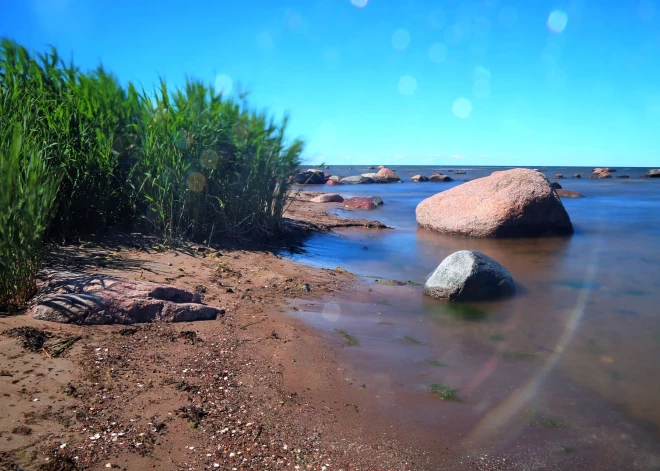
(407, 85)
(462, 108)
(196, 182)
(359, 3)
(400, 39)
(557, 21)
(438, 52)
(223, 84)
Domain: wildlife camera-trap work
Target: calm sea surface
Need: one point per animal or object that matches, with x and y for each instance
(568, 369)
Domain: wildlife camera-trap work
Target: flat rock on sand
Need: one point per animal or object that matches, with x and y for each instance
(512, 203)
(469, 275)
(327, 198)
(74, 298)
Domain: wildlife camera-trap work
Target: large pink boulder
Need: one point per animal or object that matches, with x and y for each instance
(327, 198)
(512, 203)
(359, 203)
(387, 175)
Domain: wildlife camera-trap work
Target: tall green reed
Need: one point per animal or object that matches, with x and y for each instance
(28, 190)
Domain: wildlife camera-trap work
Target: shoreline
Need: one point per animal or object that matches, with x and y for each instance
(150, 396)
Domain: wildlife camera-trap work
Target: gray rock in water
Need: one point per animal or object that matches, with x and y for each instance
(356, 179)
(469, 275)
(377, 200)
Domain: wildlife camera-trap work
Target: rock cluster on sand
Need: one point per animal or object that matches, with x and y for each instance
(359, 203)
(512, 203)
(655, 173)
(75, 298)
(438, 177)
(469, 276)
(327, 198)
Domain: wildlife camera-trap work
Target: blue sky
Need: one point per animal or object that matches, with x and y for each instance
(489, 82)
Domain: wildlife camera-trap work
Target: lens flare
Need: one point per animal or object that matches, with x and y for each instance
(407, 85)
(557, 21)
(331, 311)
(400, 39)
(462, 108)
(438, 52)
(196, 182)
(209, 159)
(223, 84)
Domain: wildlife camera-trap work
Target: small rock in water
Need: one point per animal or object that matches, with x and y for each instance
(378, 201)
(555, 185)
(469, 275)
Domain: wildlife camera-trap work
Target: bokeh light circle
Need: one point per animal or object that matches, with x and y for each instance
(437, 19)
(557, 21)
(462, 108)
(223, 84)
(438, 52)
(508, 16)
(481, 73)
(453, 35)
(407, 85)
(331, 311)
(359, 3)
(400, 39)
(209, 159)
(481, 89)
(196, 182)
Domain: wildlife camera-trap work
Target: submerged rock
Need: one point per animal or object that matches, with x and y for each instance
(512, 203)
(419, 178)
(327, 198)
(357, 179)
(98, 299)
(437, 177)
(378, 201)
(359, 203)
(310, 177)
(622, 176)
(569, 194)
(469, 275)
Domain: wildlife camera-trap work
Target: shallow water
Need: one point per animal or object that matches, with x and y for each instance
(570, 362)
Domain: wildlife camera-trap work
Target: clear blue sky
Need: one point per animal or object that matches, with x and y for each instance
(489, 82)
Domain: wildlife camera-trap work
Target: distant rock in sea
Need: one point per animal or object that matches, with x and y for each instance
(577, 175)
(419, 178)
(558, 176)
(569, 194)
(459, 172)
(469, 275)
(512, 203)
(555, 185)
(602, 173)
(437, 177)
(358, 179)
(655, 173)
(310, 177)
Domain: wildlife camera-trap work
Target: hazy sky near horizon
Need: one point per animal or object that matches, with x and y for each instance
(489, 82)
